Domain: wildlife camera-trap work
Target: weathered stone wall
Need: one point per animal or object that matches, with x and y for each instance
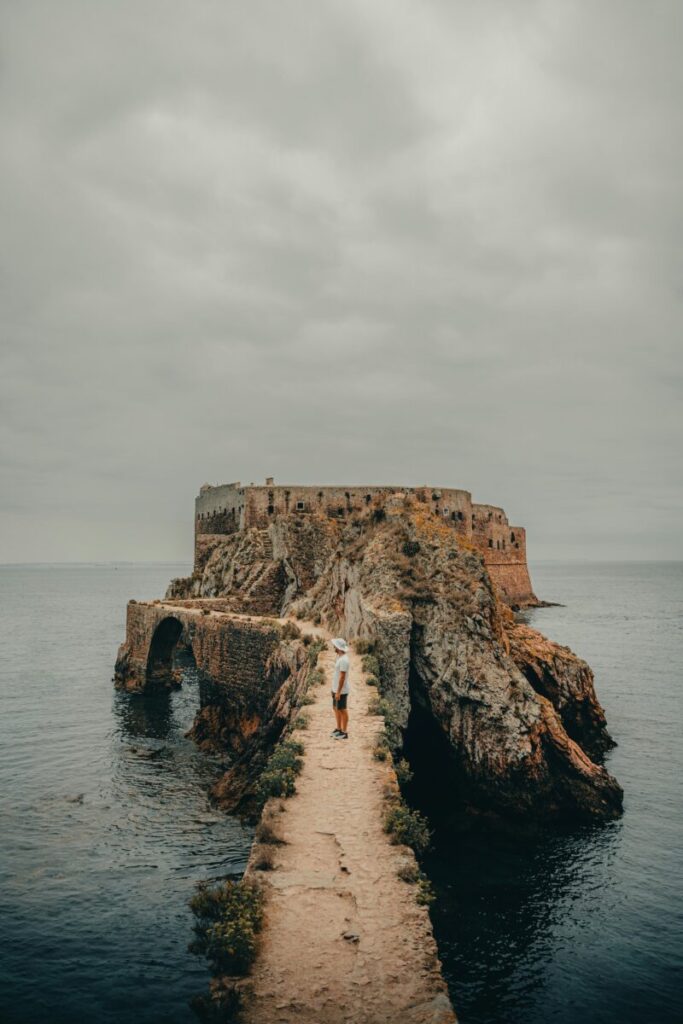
(504, 550)
(229, 651)
(262, 503)
(513, 583)
(222, 510)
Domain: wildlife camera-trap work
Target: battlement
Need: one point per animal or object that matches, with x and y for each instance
(224, 509)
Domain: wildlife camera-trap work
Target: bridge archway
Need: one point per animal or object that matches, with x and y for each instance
(159, 673)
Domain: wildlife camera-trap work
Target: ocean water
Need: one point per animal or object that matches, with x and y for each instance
(105, 824)
(586, 926)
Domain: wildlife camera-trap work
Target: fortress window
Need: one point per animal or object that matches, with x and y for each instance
(503, 545)
(368, 499)
(445, 511)
(454, 515)
(271, 509)
(512, 537)
(490, 543)
(300, 506)
(498, 545)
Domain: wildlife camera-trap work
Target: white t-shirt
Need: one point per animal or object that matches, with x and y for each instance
(341, 665)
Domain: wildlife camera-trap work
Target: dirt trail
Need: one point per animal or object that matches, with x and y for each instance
(344, 939)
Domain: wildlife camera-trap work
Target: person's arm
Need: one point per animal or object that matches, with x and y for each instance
(342, 677)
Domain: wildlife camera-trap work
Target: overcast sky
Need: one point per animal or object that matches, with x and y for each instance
(355, 241)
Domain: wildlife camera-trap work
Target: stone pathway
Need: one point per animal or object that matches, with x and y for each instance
(344, 939)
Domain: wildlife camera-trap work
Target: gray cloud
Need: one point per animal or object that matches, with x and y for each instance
(388, 242)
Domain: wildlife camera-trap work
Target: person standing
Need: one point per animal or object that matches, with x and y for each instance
(340, 689)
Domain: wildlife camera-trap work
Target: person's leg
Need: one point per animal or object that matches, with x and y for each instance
(337, 713)
(343, 712)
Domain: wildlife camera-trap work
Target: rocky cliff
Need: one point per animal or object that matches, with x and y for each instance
(514, 717)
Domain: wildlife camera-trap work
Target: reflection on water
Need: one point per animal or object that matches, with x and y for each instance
(106, 826)
(585, 925)
(142, 714)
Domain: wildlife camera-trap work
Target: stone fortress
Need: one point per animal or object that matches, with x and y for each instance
(227, 508)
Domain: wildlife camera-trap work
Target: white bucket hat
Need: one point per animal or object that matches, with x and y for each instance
(340, 644)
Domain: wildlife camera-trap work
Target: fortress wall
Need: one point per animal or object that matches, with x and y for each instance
(218, 511)
(514, 582)
(451, 503)
(504, 549)
(222, 510)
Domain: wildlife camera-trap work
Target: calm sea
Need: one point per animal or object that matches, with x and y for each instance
(106, 826)
(586, 927)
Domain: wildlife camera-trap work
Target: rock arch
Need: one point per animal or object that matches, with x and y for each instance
(159, 672)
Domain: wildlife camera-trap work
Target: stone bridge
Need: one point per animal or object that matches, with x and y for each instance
(232, 652)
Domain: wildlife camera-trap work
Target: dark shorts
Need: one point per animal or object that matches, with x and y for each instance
(340, 704)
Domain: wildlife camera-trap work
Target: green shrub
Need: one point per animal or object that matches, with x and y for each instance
(403, 772)
(371, 665)
(386, 709)
(317, 619)
(374, 706)
(381, 751)
(410, 548)
(317, 677)
(290, 631)
(407, 826)
(314, 650)
(229, 918)
(363, 646)
(276, 783)
(425, 893)
(307, 699)
(412, 874)
(372, 681)
(279, 775)
(301, 722)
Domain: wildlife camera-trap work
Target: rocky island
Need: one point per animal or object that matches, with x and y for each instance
(500, 724)
(427, 577)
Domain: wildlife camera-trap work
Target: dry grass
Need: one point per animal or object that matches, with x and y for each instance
(264, 858)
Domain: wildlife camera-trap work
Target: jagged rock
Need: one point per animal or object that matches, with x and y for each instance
(558, 674)
(518, 713)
